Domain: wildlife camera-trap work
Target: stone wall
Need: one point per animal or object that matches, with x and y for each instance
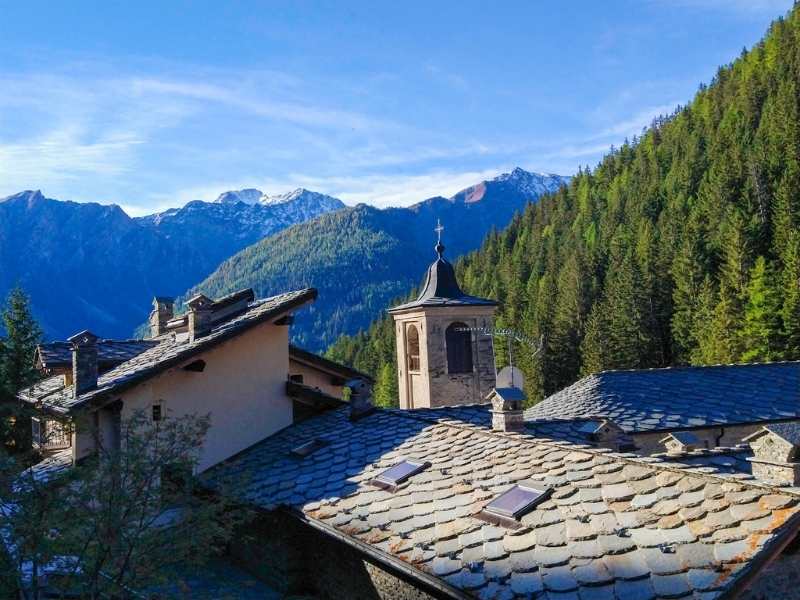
(432, 385)
(296, 559)
(730, 435)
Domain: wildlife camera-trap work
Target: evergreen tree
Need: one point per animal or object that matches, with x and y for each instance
(17, 368)
(762, 324)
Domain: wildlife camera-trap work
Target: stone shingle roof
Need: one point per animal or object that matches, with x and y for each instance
(59, 354)
(680, 398)
(170, 352)
(615, 526)
(788, 431)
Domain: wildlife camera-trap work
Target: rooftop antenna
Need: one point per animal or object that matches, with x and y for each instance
(512, 336)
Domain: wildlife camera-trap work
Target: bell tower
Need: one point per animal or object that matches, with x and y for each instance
(442, 360)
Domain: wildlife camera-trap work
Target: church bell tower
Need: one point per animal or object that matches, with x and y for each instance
(442, 357)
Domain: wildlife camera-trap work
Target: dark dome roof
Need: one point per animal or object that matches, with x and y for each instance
(441, 288)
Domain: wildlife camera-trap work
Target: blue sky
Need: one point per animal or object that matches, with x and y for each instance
(151, 104)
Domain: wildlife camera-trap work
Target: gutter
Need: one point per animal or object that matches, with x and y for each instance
(428, 583)
(763, 558)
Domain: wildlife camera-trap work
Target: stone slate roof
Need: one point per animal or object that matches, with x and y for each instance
(615, 526)
(788, 431)
(111, 352)
(680, 398)
(302, 355)
(170, 352)
(441, 288)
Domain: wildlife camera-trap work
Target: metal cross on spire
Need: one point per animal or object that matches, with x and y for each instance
(439, 246)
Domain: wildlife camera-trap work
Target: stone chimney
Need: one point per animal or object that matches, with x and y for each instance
(163, 311)
(84, 361)
(360, 398)
(200, 312)
(776, 453)
(507, 405)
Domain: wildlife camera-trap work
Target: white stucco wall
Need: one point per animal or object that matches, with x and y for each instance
(243, 388)
(315, 378)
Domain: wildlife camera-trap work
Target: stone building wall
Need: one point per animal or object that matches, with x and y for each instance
(296, 559)
(432, 385)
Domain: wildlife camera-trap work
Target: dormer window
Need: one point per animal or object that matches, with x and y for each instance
(510, 506)
(392, 477)
(309, 447)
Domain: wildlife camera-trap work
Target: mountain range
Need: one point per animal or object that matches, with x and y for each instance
(87, 265)
(362, 257)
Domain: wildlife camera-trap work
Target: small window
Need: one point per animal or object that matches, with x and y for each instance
(308, 448)
(36, 431)
(412, 348)
(298, 378)
(402, 471)
(458, 340)
(156, 412)
(511, 505)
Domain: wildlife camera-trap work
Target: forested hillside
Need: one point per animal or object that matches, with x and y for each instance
(681, 246)
(361, 257)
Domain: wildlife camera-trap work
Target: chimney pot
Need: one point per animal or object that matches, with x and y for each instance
(507, 406)
(360, 398)
(163, 311)
(200, 311)
(84, 361)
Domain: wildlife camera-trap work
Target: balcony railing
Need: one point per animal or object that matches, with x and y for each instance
(49, 434)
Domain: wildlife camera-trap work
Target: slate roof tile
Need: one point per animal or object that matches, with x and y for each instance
(658, 529)
(679, 398)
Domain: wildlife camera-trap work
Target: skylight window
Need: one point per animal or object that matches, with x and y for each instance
(402, 471)
(309, 448)
(513, 504)
(589, 427)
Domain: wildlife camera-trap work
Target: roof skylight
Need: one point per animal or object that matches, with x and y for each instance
(308, 448)
(402, 471)
(514, 503)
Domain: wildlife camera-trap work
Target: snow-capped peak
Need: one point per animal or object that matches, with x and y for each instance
(248, 196)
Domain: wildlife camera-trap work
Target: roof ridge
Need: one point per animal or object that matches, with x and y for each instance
(687, 368)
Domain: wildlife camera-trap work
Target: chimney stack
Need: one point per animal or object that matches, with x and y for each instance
(200, 311)
(84, 361)
(163, 311)
(776, 453)
(507, 403)
(360, 398)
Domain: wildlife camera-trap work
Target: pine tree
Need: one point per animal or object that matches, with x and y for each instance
(790, 312)
(23, 334)
(762, 325)
(386, 392)
(17, 368)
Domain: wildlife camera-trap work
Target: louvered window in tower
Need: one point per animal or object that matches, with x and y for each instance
(412, 350)
(459, 348)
